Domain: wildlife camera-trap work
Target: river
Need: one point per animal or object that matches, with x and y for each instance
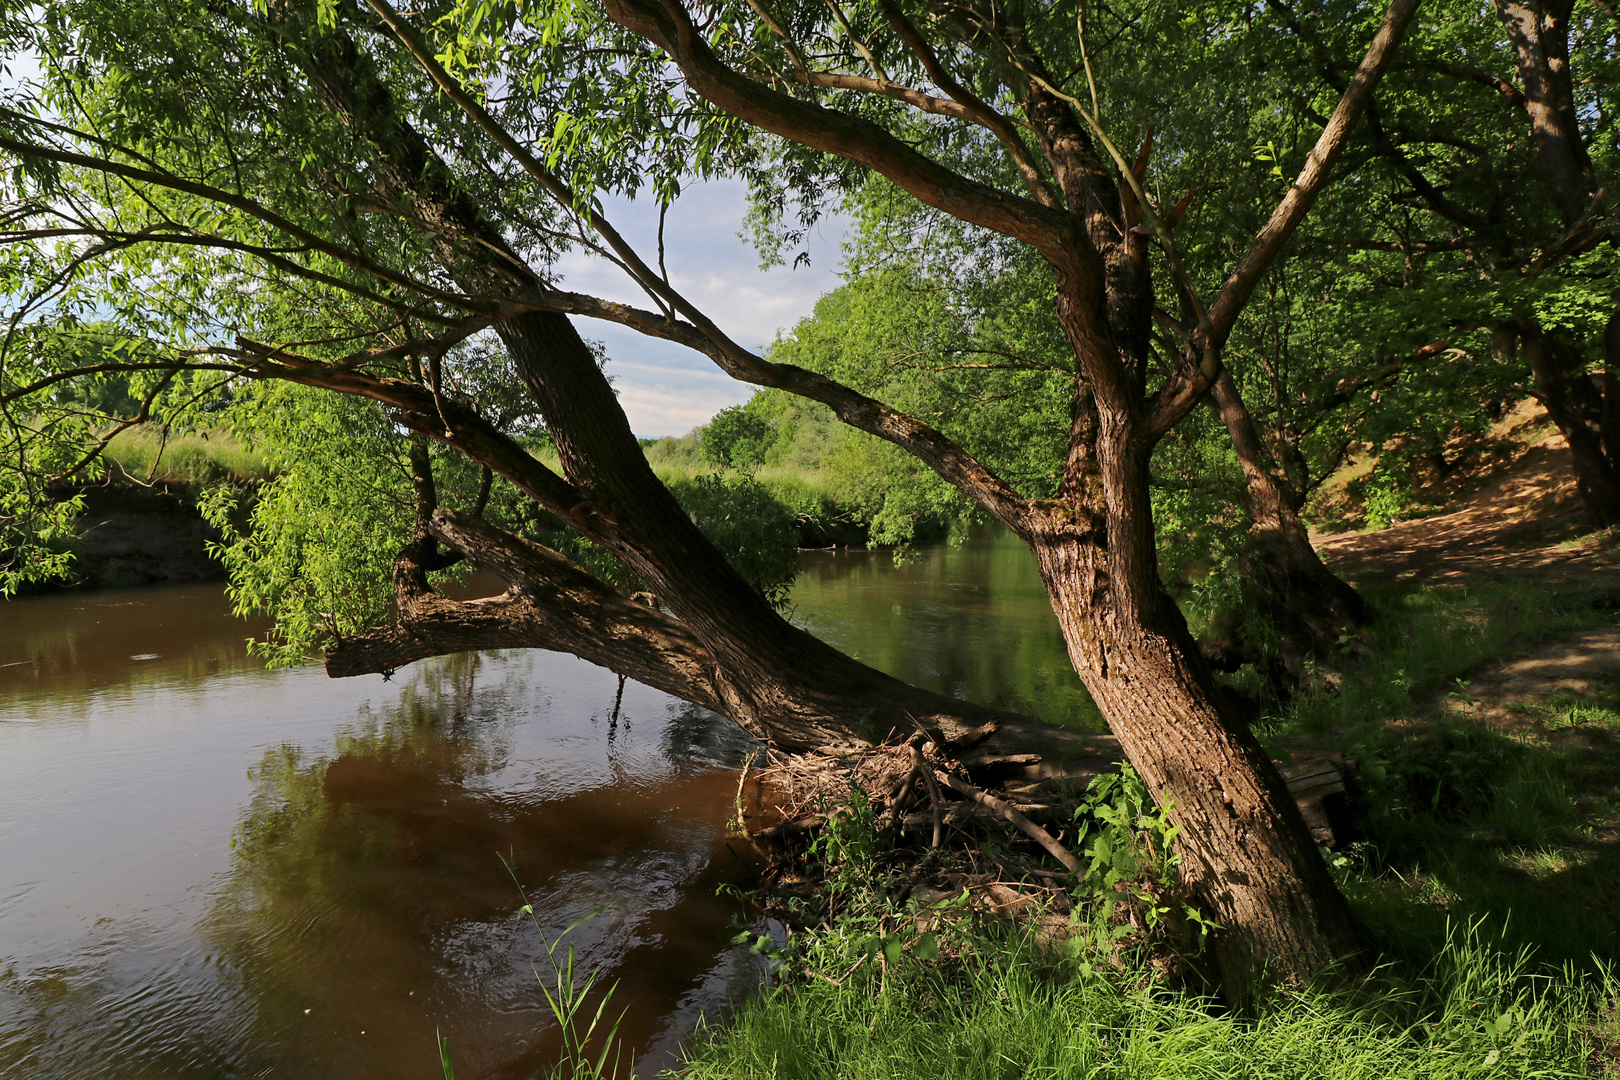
(211, 870)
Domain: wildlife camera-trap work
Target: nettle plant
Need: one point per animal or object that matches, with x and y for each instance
(1130, 873)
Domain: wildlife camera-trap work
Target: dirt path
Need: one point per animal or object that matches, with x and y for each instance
(1523, 521)
(1526, 519)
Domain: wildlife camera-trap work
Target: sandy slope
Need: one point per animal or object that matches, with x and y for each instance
(1525, 519)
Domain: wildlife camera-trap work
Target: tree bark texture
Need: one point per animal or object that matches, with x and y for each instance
(1586, 413)
(1539, 33)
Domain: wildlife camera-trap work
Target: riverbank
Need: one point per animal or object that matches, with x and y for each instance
(1484, 730)
(131, 535)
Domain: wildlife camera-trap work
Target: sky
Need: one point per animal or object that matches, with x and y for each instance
(667, 389)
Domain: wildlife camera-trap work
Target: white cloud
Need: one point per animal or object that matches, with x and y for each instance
(666, 389)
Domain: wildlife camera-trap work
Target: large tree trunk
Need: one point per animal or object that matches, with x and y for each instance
(1539, 33)
(721, 644)
(552, 603)
(1244, 848)
(1310, 606)
(1584, 413)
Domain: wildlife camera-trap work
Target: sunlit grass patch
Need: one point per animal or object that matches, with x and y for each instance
(1597, 707)
(1426, 638)
(144, 453)
(1007, 1010)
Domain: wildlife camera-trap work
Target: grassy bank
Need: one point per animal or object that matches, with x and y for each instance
(146, 455)
(139, 524)
(1004, 1008)
(838, 496)
(1487, 869)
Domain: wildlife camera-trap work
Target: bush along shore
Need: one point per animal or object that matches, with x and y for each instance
(140, 524)
(943, 911)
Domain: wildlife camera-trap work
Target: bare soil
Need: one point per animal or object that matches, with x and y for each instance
(1518, 515)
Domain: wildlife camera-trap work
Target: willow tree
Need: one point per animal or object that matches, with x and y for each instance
(339, 195)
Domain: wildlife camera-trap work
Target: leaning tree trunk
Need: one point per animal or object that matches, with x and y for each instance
(721, 644)
(1311, 607)
(1584, 414)
(1244, 848)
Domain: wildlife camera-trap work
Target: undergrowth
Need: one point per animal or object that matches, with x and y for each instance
(1521, 828)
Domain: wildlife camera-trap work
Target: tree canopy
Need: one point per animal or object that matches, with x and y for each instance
(1085, 251)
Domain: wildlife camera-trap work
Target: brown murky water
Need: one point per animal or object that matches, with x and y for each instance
(209, 870)
(212, 870)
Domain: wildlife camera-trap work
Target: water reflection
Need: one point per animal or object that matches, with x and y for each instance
(275, 874)
(58, 647)
(208, 870)
(972, 620)
(366, 903)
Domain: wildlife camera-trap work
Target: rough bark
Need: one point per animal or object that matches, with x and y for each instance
(1245, 848)
(1539, 33)
(1311, 607)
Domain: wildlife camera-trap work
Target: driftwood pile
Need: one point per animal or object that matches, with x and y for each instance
(937, 804)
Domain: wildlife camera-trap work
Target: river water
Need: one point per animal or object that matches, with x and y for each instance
(212, 870)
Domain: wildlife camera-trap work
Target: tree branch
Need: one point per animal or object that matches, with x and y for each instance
(236, 202)
(853, 138)
(1186, 389)
(550, 603)
(929, 445)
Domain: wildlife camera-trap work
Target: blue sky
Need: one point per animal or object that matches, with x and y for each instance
(664, 388)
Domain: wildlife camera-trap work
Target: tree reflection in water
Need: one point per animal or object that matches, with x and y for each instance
(367, 903)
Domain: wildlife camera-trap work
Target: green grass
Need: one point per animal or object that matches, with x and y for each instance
(1005, 1011)
(1463, 821)
(806, 492)
(1514, 833)
(1426, 638)
(1567, 708)
(198, 457)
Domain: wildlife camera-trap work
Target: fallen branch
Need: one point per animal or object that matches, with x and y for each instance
(922, 766)
(1008, 814)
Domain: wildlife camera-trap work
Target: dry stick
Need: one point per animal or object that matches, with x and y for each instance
(927, 772)
(897, 805)
(1007, 813)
